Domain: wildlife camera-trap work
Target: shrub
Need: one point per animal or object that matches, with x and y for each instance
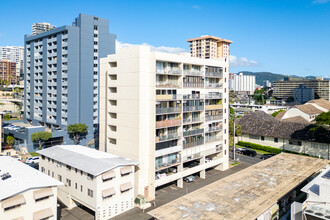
(260, 147)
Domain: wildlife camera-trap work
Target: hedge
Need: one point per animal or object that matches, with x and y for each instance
(259, 147)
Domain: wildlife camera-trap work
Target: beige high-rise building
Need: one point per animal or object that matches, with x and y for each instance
(285, 89)
(209, 47)
(169, 112)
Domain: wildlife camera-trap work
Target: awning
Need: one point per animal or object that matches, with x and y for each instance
(42, 193)
(126, 170)
(14, 201)
(19, 218)
(126, 186)
(108, 175)
(45, 213)
(108, 192)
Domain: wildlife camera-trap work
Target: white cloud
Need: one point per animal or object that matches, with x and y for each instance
(241, 62)
(320, 1)
(164, 49)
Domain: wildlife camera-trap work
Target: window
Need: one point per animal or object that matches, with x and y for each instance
(89, 176)
(262, 138)
(95, 27)
(60, 178)
(81, 172)
(276, 140)
(68, 182)
(299, 143)
(90, 193)
(43, 169)
(52, 174)
(76, 170)
(76, 186)
(68, 167)
(48, 172)
(256, 137)
(81, 188)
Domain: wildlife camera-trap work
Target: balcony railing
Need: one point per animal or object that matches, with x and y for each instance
(213, 96)
(168, 84)
(213, 129)
(172, 71)
(168, 97)
(193, 132)
(189, 120)
(212, 85)
(168, 110)
(213, 74)
(193, 72)
(168, 123)
(212, 107)
(193, 108)
(193, 144)
(213, 138)
(193, 96)
(174, 162)
(193, 84)
(167, 137)
(213, 117)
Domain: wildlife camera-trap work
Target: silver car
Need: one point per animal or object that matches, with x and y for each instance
(189, 179)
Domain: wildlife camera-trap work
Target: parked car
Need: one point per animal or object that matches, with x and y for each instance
(32, 160)
(172, 170)
(193, 164)
(34, 165)
(207, 159)
(189, 179)
(240, 150)
(249, 152)
(266, 156)
(160, 175)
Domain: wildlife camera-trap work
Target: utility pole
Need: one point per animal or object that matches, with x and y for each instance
(234, 136)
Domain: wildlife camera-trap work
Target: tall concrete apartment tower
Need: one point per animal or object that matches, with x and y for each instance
(62, 75)
(13, 54)
(169, 112)
(209, 47)
(38, 28)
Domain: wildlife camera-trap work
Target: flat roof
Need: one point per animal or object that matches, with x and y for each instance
(87, 159)
(23, 178)
(209, 37)
(246, 194)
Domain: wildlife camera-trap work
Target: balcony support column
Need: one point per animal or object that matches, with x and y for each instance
(179, 183)
(202, 174)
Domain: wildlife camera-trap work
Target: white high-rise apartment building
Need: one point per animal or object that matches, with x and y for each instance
(244, 83)
(209, 47)
(169, 112)
(13, 54)
(38, 28)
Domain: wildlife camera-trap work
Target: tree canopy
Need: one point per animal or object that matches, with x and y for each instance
(323, 119)
(76, 131)
(276, 113)
(41, 137)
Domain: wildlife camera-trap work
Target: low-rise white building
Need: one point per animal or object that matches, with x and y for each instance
(100, 181)
(26, 193)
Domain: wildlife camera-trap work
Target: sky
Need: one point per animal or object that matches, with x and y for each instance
(280, 36)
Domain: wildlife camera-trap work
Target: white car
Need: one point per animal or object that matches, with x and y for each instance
(32, 160)
(160, 175)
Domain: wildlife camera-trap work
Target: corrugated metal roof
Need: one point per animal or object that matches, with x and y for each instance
(86, 159)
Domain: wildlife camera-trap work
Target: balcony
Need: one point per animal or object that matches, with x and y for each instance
(167, 137)
(168, 97)
(170, 71)
(213, 85)
(193, 144)
(193, 72)
(174, 162)
(169, 150)
(193, 84)
(193, 132)
(213, 138)
(213, 96)
(212, 129)
(192, 120)
(168, 123)
(213, 107)
(193, 108)
(168, 110)
(193, 96)
(213, 74)
(168, 84)
(213, 117)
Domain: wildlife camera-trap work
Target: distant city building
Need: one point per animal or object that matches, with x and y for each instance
(8, 72)
(97, 180)
(285, 89)
(26, 193)
(167, 111)
(267, 84)
(14, 54)
(231, 81)
(209, 47)
(62, 76)
(244, 83)
(303, 94)
(38, 28)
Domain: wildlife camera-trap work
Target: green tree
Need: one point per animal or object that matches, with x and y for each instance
(323, 119)
(76, 131)
(276, 113)
(10, 140)
(289, 99)
(7, 117)
(41, 137)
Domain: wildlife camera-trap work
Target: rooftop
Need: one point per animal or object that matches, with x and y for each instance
(321, 102)
(246, 194)
(22, 178)
(209, 37)
(308, 109)
(86, 159)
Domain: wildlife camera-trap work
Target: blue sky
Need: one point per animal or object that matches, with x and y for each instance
(281, 36)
